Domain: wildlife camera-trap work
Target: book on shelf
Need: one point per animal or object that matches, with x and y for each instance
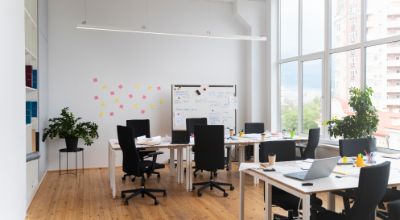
(28, 75)
(34, 109)
(28, 112)
(34, 79)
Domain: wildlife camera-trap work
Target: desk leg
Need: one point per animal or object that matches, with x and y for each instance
(179, 165)
(189, 168)
(331, 202)
(268, 201)
(256, 156)
(242, 181)
(111, 168)
(171, 162)
(241, 153)
(306, 207)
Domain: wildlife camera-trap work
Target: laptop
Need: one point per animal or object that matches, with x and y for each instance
(180, 137)
(319, 169)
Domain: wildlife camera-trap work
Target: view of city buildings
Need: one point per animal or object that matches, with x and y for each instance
(382, 68)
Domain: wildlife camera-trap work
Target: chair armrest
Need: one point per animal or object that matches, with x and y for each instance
(154, 153)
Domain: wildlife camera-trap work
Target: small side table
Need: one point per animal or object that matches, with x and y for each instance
(66, 150)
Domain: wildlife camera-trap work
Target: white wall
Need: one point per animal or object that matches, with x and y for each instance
(12, 112)
(76, 57)
(43, 82)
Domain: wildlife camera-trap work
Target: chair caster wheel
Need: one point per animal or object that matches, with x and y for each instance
(199, 194)
(211, 188)
(215, 174)
(225, 194)
(133, 180)
(232, 188)
(158, 176)
(142, 195)
(126, 202)
(193, 188)
(165, 194)
(156, 202)
(122, 195)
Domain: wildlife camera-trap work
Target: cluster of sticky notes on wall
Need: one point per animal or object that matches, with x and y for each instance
(113, 98)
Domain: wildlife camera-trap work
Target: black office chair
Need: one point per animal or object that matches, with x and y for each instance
(141, 127)
(372, 185)
(190, 124)
(394, 210)
(209, 143)
(353, 147)
(133, 165)
(252, 128)
(308, 151)
(285, 151)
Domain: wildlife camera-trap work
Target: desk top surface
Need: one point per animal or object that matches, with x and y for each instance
(237, 141)
(348, 176)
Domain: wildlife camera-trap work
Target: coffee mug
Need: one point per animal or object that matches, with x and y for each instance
(271, 159)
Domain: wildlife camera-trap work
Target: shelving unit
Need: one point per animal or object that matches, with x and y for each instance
(32, 96)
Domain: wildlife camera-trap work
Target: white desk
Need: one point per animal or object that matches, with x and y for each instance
(294, 187)
(113, 146)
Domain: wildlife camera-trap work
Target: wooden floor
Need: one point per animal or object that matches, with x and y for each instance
(88, 196)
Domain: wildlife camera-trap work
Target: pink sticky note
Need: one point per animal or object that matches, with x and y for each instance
(112, 93)
(120, 86)
(159, 88)
(96, 97)
(95, 80)
(130, 96)
(121, 106)
(144, 97)
(143, 111)
(111, 114)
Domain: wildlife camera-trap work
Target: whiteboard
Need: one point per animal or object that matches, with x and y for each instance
(217, 103)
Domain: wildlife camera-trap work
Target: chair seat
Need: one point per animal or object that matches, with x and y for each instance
(329, 215)
(146, 166)
(288, 201)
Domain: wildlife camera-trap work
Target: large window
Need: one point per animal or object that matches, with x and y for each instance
(318, 64)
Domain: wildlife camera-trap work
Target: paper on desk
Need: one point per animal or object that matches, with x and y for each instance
(246, 166)
(286, 168)
(148, 141)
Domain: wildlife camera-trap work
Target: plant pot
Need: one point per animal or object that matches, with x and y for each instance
(353, 147)
(372, 144)
(71, 142)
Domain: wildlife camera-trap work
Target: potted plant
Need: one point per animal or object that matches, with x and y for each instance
(68, 127)
(362, 124)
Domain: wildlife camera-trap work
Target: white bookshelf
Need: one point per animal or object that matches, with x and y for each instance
(31, 58)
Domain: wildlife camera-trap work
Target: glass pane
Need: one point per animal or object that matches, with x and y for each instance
(289, 28)
(289, 94)
(312, 93)
(383, 75)
(346, 22)
(345, 70)
(383, 18)
(313, 26)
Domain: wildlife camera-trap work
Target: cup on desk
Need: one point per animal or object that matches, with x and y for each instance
(271, 159)
(231, 132)
(262, 136)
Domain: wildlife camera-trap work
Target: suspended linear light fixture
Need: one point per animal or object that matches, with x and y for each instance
(209, 35)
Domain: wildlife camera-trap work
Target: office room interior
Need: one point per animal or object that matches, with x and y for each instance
(200, 109)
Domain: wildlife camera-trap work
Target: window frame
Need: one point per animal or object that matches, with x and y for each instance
(325, 57)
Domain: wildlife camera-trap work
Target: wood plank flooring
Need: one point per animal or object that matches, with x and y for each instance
(88, 196)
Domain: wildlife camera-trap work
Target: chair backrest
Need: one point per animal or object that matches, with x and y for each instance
(312, 144)
(192, 122)
(140, 127)
(253, 127)
(372, 186)
(130, 157)
(209, 144)
(353, 147)
(284, 150)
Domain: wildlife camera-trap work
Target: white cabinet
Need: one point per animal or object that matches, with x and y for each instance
(32, 180)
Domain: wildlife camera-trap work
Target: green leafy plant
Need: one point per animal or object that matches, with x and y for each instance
(363, 123)
(68, 126)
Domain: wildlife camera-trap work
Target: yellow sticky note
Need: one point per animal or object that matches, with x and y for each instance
(149, 88)
(152, 106)
(101, 114)
(104, 87)
(135, 106)
(162, 101)
(102, 104)
(116, 100)
(136, 86)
